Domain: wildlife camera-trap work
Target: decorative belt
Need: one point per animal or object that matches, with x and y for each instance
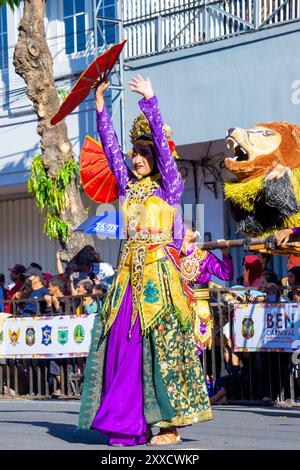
(152, 256)
(137, 248)
(150, 237)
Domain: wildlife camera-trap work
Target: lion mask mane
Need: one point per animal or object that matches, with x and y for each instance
(265, 194)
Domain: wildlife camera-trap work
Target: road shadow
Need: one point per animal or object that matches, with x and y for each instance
(67, 432)
(71, 434)
(263, 412)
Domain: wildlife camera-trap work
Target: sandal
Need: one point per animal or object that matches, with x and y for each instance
(165, 438)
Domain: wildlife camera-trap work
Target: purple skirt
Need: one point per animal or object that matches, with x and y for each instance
(120, 415)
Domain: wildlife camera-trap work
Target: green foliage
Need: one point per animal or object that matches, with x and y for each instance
(11, 3)
(54, 227)
(51, 195)
(62, 94)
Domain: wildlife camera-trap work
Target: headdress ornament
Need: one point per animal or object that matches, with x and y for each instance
(141, 128)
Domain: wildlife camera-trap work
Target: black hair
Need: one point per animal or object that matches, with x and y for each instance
(36, 265)
(270, 276)
(99, 287)
(2, 277)
(88, 286)
(296, 272)
(266, 256)
(84, 256)
(57, 281)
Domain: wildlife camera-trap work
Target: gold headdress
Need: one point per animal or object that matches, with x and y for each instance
(141, 129)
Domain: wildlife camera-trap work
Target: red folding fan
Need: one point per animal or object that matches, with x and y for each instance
(97, 178)
(88, 81)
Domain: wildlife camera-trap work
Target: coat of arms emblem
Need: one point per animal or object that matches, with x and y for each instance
(30, 336)
(63, 335)
(46, 335)
(14, 336)
(79, 334)
(248, 328)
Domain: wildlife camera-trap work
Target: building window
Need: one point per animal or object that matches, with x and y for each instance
(107, 30)
(3, 39)
(75, 31)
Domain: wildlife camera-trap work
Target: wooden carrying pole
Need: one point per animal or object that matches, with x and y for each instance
(254, 244)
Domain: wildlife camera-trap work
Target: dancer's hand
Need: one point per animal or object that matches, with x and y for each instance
(99, 92)
(141, 85)
(283, 236)
(188, 240)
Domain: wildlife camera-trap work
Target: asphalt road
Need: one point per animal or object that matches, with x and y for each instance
(51, 424)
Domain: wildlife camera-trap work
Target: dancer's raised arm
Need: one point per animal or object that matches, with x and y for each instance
(171, 180)
(110, 141)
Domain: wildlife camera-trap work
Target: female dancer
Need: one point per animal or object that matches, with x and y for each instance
(143, 368)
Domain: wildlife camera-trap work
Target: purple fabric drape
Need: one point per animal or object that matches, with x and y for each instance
(120, 415)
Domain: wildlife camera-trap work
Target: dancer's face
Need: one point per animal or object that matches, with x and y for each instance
(142, 159)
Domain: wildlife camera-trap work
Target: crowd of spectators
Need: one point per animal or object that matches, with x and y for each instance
(34, 292)
(258, 284)
(80, 286)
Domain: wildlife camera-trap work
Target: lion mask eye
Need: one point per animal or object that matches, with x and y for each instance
(267, 133)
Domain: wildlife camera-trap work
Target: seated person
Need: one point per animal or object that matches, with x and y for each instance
(47, 276)
(36, 280)
(252, 271)
(100, 291)
(56, 300)
(18, 279)
(230, 379)
(269, 288)
(85, 288)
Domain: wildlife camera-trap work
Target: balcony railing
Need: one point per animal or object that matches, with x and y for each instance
(155, 26)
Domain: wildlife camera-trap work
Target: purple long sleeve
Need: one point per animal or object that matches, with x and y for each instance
(213, 266)
(296, 231)
(112, 150)
(171, 184)
(171, 181)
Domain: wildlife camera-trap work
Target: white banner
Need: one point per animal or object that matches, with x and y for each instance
(267, 327)
(45, 337)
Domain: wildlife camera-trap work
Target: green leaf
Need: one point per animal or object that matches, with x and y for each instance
(11, 3)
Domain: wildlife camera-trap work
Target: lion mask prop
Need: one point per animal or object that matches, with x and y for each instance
(265, 196)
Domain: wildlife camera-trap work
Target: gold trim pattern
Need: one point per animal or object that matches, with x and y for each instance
(191, 265)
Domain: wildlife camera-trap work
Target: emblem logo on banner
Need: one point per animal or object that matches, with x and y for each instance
(14, 336)
(248, 328)
(46, 335)
(30, 336)
(63, 335)
(79, 334)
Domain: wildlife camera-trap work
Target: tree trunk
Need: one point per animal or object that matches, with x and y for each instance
(33, 62)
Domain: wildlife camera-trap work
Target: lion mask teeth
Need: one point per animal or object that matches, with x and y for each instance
(240, 153)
